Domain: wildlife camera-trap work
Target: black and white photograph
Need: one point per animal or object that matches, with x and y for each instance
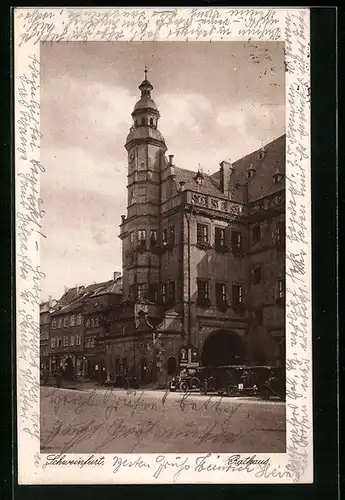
(163, 233)
(163, 305)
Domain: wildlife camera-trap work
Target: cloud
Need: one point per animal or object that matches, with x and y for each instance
(182, 112)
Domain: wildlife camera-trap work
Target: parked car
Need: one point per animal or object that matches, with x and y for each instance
(273, 385)
(189, 379)
(233, 380)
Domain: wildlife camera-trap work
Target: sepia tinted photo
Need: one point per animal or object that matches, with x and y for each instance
(162, 316)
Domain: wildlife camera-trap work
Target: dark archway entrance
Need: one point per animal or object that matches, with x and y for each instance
(69, 368)
(172, 366)
(223, 347)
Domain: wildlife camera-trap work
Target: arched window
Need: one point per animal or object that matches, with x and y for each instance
(143, 121)
(151, 122)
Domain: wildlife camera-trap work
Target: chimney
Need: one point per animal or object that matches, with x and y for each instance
(171, 157)
(226, 170)
(116, 275)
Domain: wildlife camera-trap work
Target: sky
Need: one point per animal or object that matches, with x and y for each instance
(218, 101)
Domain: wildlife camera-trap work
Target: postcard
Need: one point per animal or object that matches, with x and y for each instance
(163, 245)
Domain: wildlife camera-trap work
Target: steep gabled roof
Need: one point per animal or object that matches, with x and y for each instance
(258, 186)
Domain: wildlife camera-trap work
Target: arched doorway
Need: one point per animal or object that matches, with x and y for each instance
(223, 347)
(171, 366)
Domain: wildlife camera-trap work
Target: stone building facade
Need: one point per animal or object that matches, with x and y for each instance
(203, 257)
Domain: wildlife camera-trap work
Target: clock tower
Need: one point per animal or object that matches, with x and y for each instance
(146, 148)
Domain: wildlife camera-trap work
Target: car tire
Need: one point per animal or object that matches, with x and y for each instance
(231, 390)
(184, 386)
(194, 383)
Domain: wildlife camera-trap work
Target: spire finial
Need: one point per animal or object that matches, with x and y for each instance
(145, 71)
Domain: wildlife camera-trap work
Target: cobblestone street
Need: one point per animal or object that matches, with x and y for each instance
(115, 421)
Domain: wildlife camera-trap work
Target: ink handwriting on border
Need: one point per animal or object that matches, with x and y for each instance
(149, 24)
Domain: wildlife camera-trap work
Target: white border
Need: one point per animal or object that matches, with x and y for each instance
(66, 24)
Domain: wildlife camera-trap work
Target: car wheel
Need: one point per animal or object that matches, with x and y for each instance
(231, 390)
(183, 387)
(203, 388)
(194, 383)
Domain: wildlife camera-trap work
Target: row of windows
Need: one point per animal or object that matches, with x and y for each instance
(68, 340)
(66, 321)
(203, 236)
(167, 291)
(168, 237)
(144, 122)
(92, 322)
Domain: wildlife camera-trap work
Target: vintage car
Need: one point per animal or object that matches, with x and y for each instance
(273, 386)
(189, 379)
(232, 380)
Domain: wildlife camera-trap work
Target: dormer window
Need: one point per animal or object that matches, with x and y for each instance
(151, 122)
(250, 172)
(136, 123)
(261, 154)
(277, 177)
(199, 178)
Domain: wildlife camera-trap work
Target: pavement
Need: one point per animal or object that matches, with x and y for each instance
(90, 419)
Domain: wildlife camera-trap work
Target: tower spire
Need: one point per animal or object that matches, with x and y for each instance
(145, 71)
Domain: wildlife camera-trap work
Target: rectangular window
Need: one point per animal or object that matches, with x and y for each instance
(203, 291)
(60, 322)
(256, 233)
(71, 340)
(132, 238)
(171, 235)
(141, 291)
(257, 275)
(72, 320)
(165, 236)
(221, 297)
(219, 237)
(153, 238)
(281, 289)
(92, 342)
(53, 342)
(54, 324)
(88, 323)
(237, 294)
(78, 339)
(87, 342)
(65, 341)
(171, 292)
(79, 319)
(164, 293)
(58, 342)
(65, 322)
(96, 322)
(202, 233)
(236, 242)
(153, 292)
(142, 238)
